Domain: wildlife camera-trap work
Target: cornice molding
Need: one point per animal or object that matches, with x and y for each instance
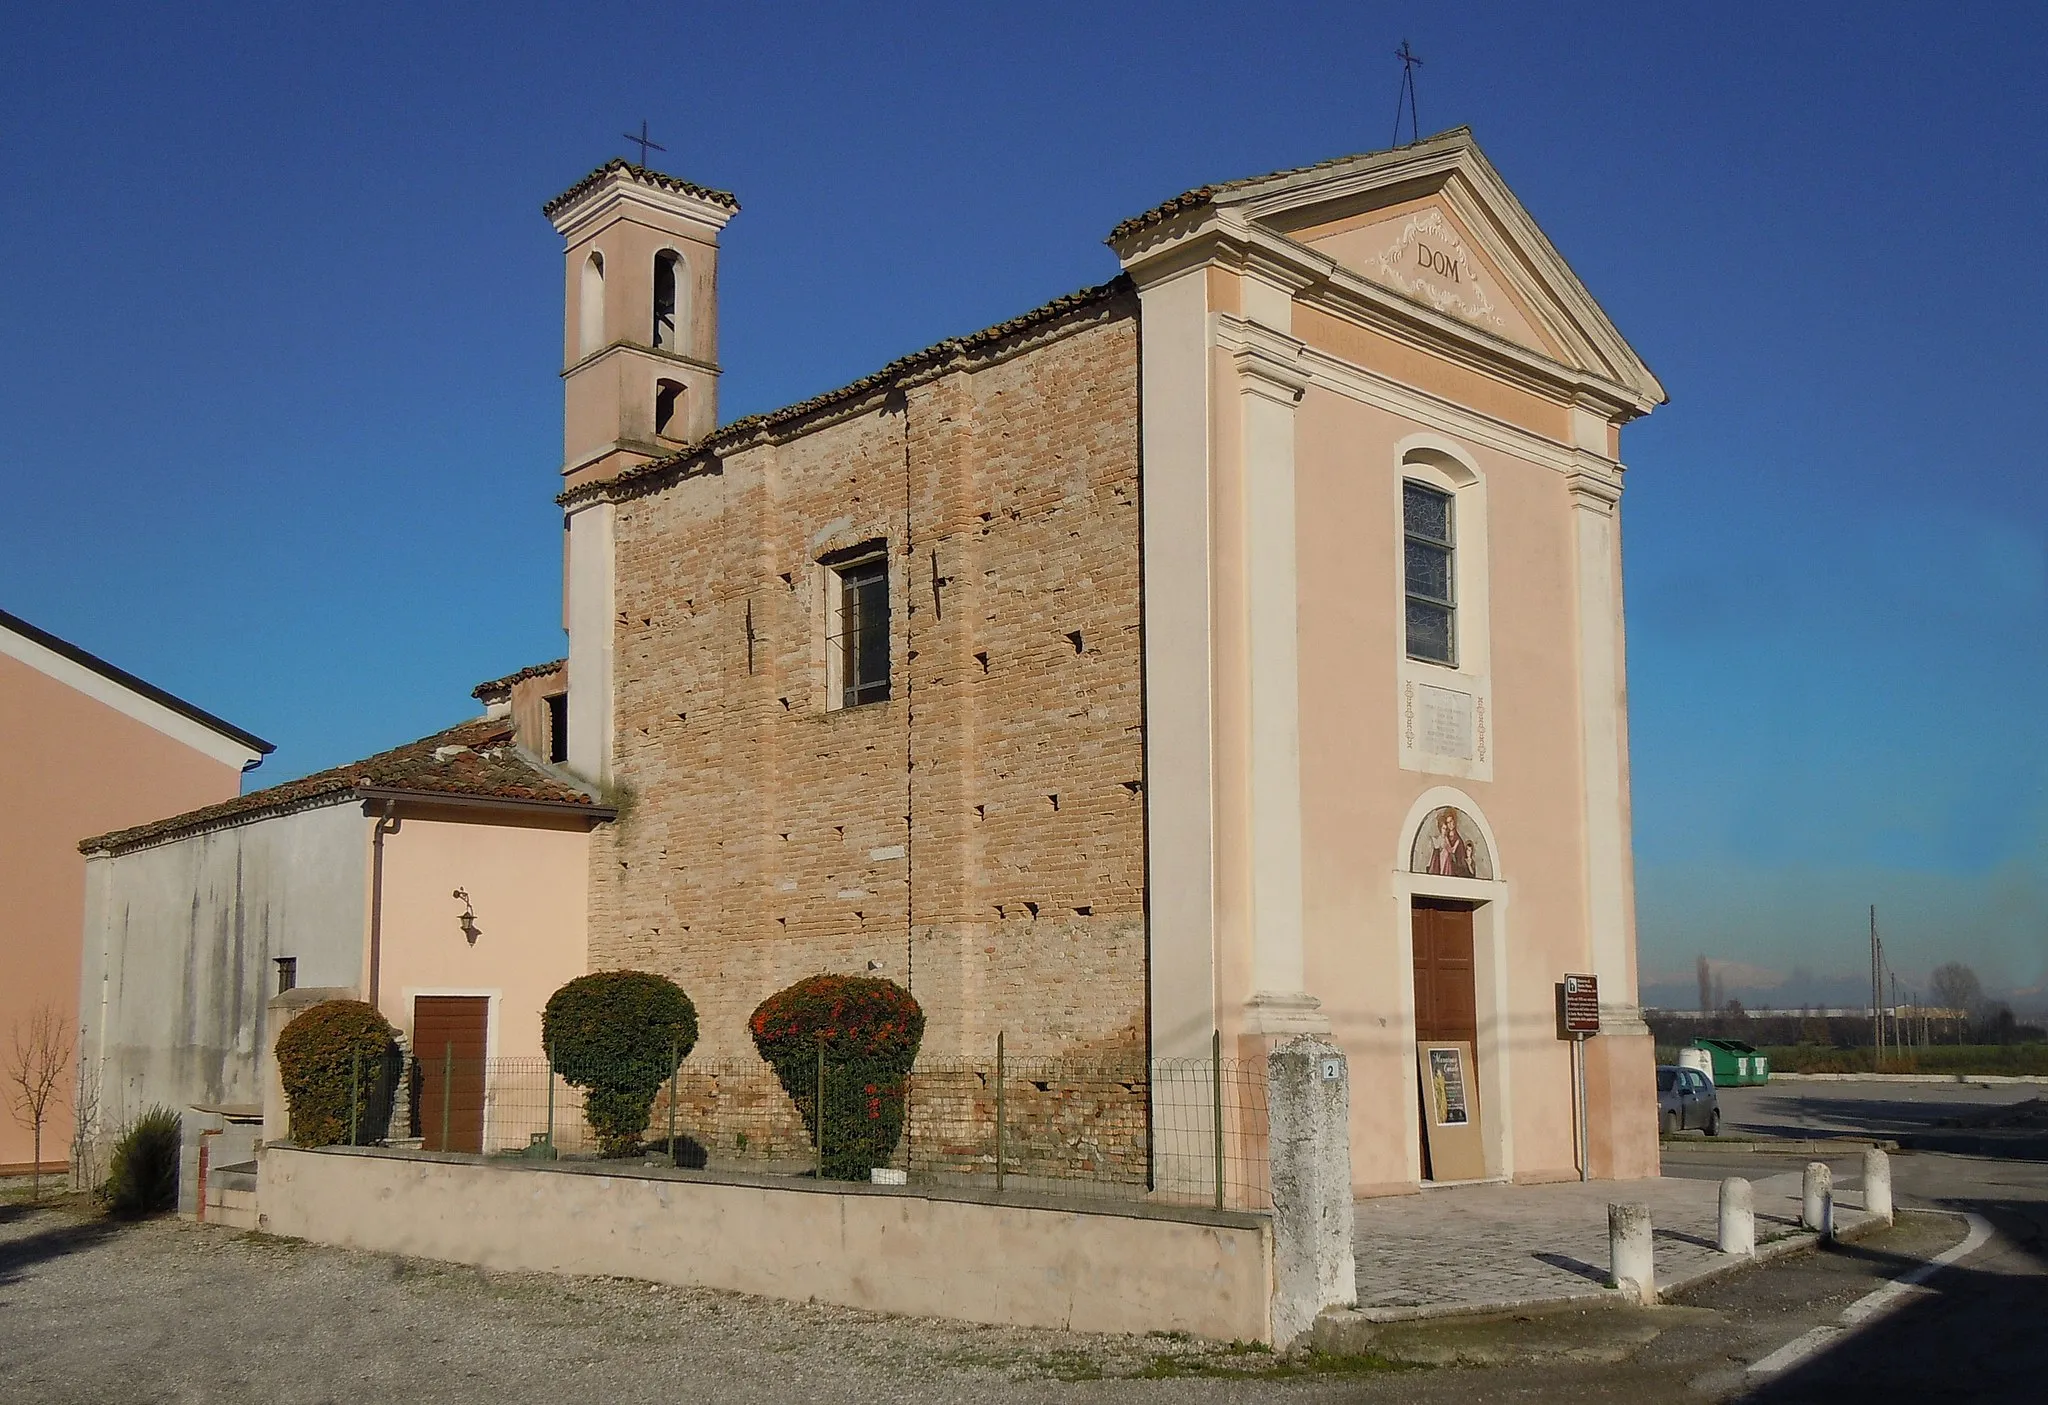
(1594, 484)
(616, 193)
(1269, 364)
(1329, 372)
(1231, 235)
(652, 353)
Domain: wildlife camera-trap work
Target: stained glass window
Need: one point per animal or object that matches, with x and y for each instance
(1427, 568)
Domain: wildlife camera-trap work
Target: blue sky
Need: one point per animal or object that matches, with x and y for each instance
(279, 323)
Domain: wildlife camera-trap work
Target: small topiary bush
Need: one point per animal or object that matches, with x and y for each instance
(618, 1035)
(870, 1029)
(317, 1058)
(142, 1175)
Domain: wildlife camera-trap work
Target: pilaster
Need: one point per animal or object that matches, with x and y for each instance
(1271, 379)
(1594, 485)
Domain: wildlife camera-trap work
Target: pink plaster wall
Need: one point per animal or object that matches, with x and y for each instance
(70, 767)
(528, 886)
(1356, 796)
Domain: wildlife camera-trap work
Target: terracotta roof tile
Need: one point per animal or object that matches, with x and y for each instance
(644, 176)
(902, 369)
(1206, 194)
(502, 687)
(471, 759)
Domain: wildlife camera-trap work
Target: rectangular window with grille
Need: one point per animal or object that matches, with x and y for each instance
(859, 644)
(1427, 560)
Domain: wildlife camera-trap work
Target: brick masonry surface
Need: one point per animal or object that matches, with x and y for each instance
(978, 836)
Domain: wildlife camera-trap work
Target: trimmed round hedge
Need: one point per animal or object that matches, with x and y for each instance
(869, 1030)
(618, 1035)
(318, 1059)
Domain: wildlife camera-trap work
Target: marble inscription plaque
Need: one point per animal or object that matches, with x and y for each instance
(1446, 722)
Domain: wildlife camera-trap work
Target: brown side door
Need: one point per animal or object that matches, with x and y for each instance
(1446, 986)
(449, 1036)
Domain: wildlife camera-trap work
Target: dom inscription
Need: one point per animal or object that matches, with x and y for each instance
(1436, 261)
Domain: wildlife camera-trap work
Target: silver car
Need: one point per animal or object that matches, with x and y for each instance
(1687, 1101)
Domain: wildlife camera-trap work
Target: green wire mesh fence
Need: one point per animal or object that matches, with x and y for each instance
(1183, 1131)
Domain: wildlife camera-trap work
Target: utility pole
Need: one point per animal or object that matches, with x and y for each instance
(1876, 1017)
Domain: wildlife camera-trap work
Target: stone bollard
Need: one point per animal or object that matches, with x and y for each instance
(1308, 1104)
(1631, 1254)
(1817, 1199)
(1877, 1183)
(1738, 1217)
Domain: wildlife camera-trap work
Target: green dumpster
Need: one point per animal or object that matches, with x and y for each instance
(1737, 1064)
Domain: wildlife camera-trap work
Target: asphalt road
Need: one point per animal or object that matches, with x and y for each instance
(1977, 1334)
(1911, 1113)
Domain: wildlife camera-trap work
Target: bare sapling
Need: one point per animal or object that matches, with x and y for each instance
(85, 1109)
(38, 1060)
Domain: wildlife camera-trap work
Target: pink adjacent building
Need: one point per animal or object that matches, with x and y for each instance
(86, 747)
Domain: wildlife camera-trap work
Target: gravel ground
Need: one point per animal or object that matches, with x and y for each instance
(169, 1310)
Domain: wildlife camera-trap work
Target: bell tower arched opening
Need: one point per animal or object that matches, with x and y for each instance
(590, 305)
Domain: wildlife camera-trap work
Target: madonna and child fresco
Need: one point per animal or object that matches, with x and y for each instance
(1449, 845)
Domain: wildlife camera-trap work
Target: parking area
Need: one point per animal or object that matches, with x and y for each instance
(1932, 1116)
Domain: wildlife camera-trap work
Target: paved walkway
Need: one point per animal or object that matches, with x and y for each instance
(1466, 1248)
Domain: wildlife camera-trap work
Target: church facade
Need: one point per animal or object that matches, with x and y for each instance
(1233, 649)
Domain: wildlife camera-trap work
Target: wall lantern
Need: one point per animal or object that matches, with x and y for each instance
(468, 918)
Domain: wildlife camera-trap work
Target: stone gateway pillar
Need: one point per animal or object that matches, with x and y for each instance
(1308, 1099)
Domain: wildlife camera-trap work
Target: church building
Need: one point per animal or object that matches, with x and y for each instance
(1234, 648)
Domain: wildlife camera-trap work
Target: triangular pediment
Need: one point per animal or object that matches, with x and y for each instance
(1434, 224)
(1422, 250)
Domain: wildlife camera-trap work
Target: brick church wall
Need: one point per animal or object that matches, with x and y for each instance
(979, 835)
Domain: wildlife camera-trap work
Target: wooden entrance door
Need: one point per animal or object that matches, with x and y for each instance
(1446, 991)
(450, 1034)
(1446, 986)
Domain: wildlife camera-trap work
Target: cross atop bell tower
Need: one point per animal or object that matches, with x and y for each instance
(640, 325)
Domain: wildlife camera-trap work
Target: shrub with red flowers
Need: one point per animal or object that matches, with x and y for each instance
(869, 1030)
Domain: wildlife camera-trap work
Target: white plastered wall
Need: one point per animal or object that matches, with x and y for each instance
(591, 631)
(1179, 778)
(180, 940)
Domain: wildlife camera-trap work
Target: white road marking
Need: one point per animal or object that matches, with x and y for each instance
(1795, 1351)
(1874, 1303)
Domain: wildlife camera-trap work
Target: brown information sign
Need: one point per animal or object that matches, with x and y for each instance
(1581, 1005)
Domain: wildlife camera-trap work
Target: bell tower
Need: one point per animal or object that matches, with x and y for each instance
(639, 382)
(640, 324)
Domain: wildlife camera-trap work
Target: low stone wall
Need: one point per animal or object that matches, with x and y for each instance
(1118, 1269)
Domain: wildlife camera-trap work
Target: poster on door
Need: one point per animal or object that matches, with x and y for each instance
(1447, 1088)
(1453, 1143)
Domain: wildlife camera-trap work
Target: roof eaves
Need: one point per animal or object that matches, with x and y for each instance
(510, 680)
(502, 804)
(643, 175)
(227, 815)
(903, 370)
(135, 685)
